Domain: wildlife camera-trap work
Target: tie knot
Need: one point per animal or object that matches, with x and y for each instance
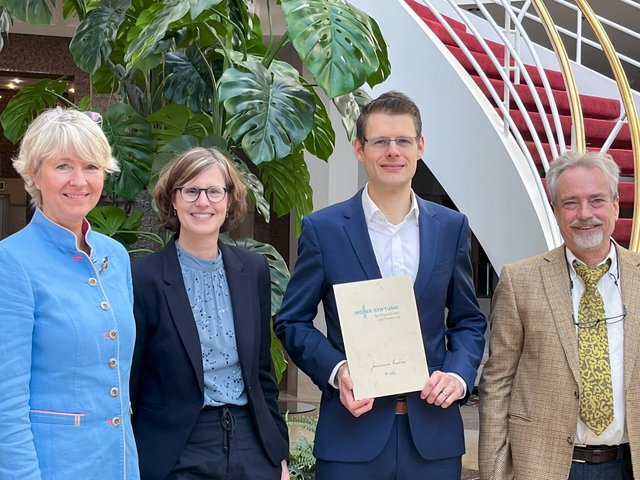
(591, 275)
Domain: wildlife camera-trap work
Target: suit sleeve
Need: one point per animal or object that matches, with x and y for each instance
(505, 347)
(306, 345)
(267, 382)
(465, 322)
(18, 458)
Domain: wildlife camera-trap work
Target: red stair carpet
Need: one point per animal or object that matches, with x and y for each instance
(600, 114)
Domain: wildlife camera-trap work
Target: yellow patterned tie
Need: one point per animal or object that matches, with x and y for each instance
(596, 399)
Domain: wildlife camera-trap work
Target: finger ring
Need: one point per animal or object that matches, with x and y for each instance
(445, 394)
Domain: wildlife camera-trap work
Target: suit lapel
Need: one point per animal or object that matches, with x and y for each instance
(555, 279)
(630, 285)
(355, 227)
(178, 301)
(243, 303)
(429, 233)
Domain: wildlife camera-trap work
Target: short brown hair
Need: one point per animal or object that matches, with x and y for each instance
(186, 167)
(391, 103)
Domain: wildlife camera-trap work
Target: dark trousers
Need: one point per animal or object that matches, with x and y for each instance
(614, 470)
(399, 460)
(224, 445)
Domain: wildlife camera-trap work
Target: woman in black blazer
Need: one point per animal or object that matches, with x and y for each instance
(203, 397)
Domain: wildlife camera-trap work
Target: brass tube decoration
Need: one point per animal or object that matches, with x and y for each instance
(629, 106)
(578, 135)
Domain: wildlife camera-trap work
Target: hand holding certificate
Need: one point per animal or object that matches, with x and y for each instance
(382, 337)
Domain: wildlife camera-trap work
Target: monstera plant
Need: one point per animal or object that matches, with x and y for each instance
(180, 73)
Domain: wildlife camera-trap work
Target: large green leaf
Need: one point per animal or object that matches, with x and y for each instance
(270, 114)
(287, 186)
(335, 41)
(174, 120)
(255, 188)
(114, 222)
(27, 104)
(199, 6)
(189, 81)
(155, 30)
(92, 42)
(133, 145)
(349, 107)
(382, 73)
(6, 22)
(74, 7)
(29, 11)
(322, 138)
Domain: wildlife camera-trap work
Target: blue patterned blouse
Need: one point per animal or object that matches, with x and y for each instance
(208, 292)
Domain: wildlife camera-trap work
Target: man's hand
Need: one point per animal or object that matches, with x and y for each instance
(442, 389)
(345, 384)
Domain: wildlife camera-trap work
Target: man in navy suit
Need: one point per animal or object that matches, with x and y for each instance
(385, 230)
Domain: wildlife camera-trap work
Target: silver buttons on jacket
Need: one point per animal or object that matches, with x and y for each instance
(115, 421)
(114, 391)
(113, 334)
(92, 282)
(104, 306)
(113, 363)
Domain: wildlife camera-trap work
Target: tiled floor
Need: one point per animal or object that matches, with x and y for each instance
(308, 393)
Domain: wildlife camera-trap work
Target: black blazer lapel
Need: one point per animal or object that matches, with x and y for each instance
(243, 303)
(180, 309)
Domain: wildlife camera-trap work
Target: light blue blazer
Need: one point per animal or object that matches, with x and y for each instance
(65, 354)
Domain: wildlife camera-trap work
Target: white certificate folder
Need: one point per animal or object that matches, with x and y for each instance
(382, 336)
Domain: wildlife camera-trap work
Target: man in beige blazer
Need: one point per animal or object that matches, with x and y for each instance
(532, 424)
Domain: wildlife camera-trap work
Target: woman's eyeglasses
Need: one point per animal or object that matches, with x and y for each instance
(191, 193)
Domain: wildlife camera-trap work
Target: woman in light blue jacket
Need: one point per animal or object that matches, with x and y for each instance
(66, 316)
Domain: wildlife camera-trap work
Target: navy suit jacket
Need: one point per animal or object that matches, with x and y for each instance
(167, 379)
(335, 247)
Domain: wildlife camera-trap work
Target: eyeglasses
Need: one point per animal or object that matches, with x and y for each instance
(608, 320)
(382, 143)
(191, 193)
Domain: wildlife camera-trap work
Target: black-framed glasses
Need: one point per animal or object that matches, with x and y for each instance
(191, 193)
(382, 143)
(608, 320)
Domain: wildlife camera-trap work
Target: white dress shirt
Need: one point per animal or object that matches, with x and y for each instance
(396, 247)
(609, 288)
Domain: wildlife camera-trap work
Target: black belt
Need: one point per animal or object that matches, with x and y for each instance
(601, 453)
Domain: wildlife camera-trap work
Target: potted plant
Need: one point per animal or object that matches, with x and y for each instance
(181, 73)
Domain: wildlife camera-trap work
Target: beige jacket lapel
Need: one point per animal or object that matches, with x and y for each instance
(555, 279)
(630, 285)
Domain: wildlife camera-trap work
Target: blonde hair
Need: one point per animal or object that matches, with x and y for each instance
(58, 132)
(186, 167)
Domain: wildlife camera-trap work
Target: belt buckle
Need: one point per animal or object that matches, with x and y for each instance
(576, 460)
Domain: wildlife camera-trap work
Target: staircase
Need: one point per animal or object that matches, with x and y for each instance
(493, 177)
(600, 114)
